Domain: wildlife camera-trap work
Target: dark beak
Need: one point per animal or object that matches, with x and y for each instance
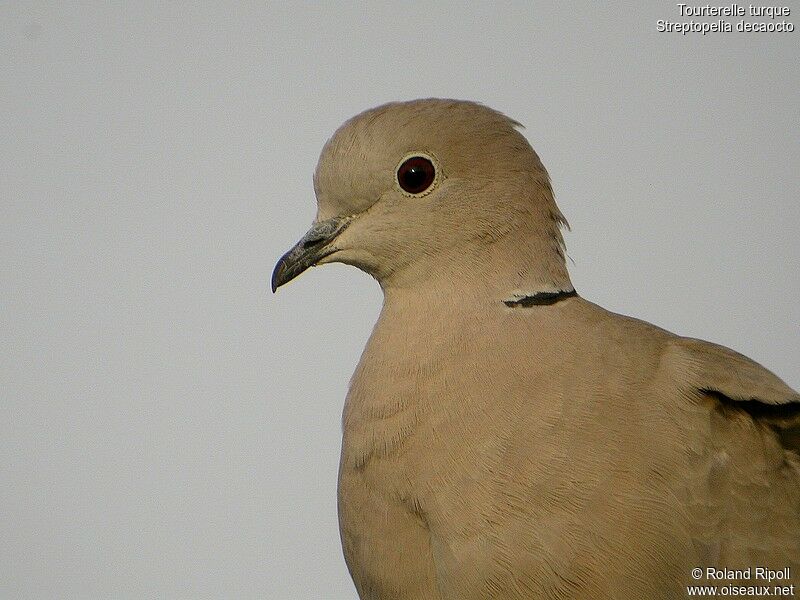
(313, 247)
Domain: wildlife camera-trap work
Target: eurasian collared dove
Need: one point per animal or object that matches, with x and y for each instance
(505, 438)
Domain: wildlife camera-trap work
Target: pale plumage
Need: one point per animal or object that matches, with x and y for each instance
(505, 438)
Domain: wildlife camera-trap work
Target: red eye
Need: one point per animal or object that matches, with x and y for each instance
(416, 174)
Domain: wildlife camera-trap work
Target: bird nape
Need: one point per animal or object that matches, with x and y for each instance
(504, 438)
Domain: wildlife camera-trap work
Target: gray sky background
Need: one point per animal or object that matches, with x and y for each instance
(168, 428)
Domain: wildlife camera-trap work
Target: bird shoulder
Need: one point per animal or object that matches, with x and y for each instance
(736, 383)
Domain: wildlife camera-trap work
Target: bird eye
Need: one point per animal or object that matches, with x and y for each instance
(416, 174)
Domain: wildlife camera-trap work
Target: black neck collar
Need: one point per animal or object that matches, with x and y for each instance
(540, 299)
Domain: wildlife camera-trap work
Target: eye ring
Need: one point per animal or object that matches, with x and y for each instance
(417, 174)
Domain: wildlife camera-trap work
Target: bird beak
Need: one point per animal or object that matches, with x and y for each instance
(313, 247)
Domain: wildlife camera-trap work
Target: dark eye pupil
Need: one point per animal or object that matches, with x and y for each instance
(416, 174)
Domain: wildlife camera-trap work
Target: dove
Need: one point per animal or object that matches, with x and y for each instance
(505, 438)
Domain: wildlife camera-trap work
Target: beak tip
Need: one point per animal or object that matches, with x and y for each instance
(277, 277)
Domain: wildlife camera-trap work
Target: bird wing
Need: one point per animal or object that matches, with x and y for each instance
(738, 383)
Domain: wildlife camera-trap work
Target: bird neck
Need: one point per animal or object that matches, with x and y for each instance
(513, 267)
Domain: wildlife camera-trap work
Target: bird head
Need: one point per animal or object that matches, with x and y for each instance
(409, 191)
